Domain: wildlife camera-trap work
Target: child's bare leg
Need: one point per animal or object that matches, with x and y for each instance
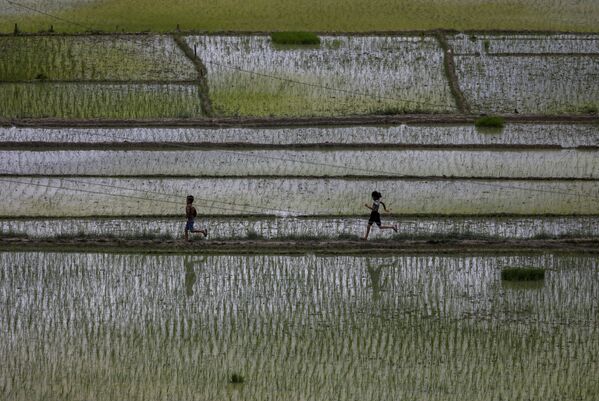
(394, 228)
(203, 231)
(186, 235)
(368, 227)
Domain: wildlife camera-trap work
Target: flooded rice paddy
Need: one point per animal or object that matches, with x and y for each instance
(540, 82)
(371, 75)
(84, 101)
(289, 163)
(222, 228)
(97, 58)
(86, 196)
(560, 135)
(98, 326)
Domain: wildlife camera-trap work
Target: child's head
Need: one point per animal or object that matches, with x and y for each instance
(376, 195)
(189, 199)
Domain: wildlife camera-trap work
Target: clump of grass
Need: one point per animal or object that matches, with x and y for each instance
(295, 38)
(523, 274)
(253, 235)
(236, 378)
(589, 109)
(490, 122)
(41, 76)
(348, 237)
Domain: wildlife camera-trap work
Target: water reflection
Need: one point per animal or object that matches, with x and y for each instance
(190, 274)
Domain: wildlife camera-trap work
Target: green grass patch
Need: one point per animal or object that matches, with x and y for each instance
(308, 15)
(295, 38)
(490, 122)
(236, 378)
(523, 274)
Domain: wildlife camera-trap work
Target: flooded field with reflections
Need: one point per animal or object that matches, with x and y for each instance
(451, 227)
(100, 326)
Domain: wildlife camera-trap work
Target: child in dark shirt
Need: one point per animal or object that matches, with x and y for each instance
(375, 216)
(191, 213)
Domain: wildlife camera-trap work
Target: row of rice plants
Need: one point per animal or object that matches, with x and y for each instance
(86, 196)
(93, 58)
(563, 135)
(97, 326)
(524, 44)
(311, 228)
(367, 75)
(99, 101)
(571, 164)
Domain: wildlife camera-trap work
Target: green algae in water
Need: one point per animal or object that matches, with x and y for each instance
(523, 274)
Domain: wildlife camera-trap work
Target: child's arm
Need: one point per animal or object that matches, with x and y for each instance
(366, 204)
(385, 207)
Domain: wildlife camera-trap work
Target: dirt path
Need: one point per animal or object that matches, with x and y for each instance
(590, 246)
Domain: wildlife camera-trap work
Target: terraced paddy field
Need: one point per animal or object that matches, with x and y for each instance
(192, 76)
(422, 327)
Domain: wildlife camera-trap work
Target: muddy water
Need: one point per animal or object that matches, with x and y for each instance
(97, 326)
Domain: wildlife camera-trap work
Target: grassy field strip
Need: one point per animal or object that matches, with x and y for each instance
(335, 228)
(550, 164)
(55, 197)
(398, 74)
(81, 101)
(535, 84)
(94, 58)
(310, 15)
(563, 135)
(344, 328)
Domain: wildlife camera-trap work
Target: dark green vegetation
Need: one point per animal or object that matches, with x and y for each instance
(523, 274)
(295, 38)
(236, 378)
(490, 122)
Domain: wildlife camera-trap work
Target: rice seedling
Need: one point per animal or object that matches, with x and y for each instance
(247, 76)
(522, 274)
(294, 38)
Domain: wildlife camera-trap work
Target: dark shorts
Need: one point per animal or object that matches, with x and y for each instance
(375, 217)
(189, 225)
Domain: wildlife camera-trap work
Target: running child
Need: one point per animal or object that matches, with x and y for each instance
(375, 216)
(191, 213)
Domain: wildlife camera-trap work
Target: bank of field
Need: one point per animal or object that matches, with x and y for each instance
(343, 328)
(313, 15)
(555, 74)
